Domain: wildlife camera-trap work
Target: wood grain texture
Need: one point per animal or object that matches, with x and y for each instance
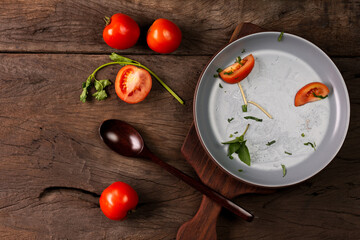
(53, 165)
(76, 26)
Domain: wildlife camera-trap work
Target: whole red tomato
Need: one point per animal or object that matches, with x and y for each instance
(121, 31)
(117, 199)
(163, 36)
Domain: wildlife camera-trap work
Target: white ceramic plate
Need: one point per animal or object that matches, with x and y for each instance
(281, 69)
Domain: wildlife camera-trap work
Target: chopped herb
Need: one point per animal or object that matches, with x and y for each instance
(216, 75)
(243, 50)
(219, 70)
(280, 36)
(303, 135)
(236, 132)
(238, 145)
(288, 153)
(240, 170)
(312, 145)
(231, 136)
(244, 108)
(253, 118)
(284, 169)
(230, 119)
(238, 59)
(220, 86)
(319, 96)
(270, 143)
(228, 73)
(231, 157)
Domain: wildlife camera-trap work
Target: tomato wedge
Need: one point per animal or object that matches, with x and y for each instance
(311, 92)
(132, 84)
(238, 71)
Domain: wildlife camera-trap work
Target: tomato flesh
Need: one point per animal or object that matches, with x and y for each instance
(133, 84)
(122, 32)
(306, 93)
(238, 71)
(163, 36)
(117, 200)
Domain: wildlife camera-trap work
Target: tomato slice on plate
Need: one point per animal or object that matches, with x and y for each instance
(311, 92)
(132, 84)
(238, 71)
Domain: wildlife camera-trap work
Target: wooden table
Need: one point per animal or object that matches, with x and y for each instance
(54, 166)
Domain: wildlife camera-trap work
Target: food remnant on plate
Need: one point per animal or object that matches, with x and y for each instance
(280, 36)
(270, 143)
(230, 119)
(220, 86)
(311, 92)
(244, 108)
(303, 135)
(287, 153)
(283, 169)
(312, 145)
(253, 118)
(240, 170)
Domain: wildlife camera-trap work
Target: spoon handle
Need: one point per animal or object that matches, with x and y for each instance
(212, 194)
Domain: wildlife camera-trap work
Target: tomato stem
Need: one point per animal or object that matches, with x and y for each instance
(107, 20)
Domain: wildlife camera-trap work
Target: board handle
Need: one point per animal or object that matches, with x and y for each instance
(203, 224)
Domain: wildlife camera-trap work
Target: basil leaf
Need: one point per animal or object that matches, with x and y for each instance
(117, 58)
(284, 169)
(243, 153)
(233, 147)
(100, 95)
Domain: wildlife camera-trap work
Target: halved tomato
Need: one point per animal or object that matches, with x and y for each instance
(132, 84)
(239, 70)
(311, 92)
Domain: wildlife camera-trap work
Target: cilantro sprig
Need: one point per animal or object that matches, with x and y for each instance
(101, 84)
(238, 146)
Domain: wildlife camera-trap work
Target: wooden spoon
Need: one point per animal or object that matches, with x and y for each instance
(122, 138)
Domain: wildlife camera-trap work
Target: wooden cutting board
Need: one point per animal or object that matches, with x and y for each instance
(203, 224)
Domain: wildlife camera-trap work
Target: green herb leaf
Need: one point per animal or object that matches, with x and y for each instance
(228, 73)
(100, 95)
(319, 96)
(243, 153)
(284, 169)
(230, 119)
(280, 36)
(238, 59)
(233, 147)
(101, 84)
(312, 145)
(236, 140)
(231, 157)
(216, 75)
(219, 70)
(253, 118)
(117, 58)
(303, 135)
(231, 136)
(287, 153)
(243, 50)
(236, 132)
(85, 88)
(244, 108)
(270, 143)
(220, 86)
(240, 170)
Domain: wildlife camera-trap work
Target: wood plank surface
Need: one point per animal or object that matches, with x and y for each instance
(53, 165)
(76, 26)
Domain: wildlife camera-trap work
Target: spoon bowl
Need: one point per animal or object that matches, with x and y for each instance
(124, 139)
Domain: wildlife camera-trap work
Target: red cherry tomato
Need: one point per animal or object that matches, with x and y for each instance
(163, 36)
(311, 92)
(117, 199)
(132, 84)
(122, 32)
(238, 71)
